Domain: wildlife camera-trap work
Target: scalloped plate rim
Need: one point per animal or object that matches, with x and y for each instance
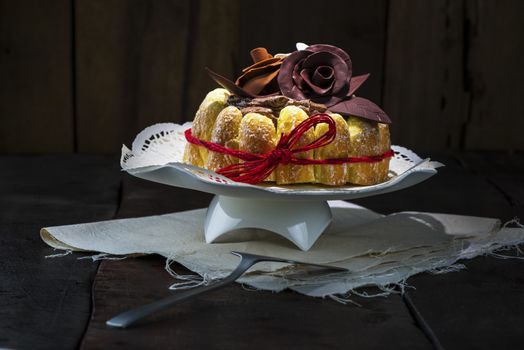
(240, 189)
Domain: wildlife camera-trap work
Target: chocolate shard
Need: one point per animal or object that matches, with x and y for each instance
(361, 107)
(356, 82)
(228, 84)
(260, 54)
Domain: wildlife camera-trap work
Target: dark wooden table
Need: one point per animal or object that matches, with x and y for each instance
(62, 303)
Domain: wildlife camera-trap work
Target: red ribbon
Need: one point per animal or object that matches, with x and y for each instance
(257, 167)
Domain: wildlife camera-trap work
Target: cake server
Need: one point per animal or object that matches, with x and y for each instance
(130, 317)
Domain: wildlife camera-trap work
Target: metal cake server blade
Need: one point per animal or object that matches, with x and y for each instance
(247, 260)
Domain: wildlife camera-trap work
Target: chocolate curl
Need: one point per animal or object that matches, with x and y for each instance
(260, 54)
(257, 167)
(258, 80)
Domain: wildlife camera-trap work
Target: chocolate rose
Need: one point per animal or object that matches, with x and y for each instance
(257, 80)
(323, 74)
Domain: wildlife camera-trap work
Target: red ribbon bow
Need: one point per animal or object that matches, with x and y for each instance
(257, 167)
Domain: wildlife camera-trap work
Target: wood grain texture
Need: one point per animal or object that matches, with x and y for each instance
(483, 305)
(504, 171)
(36, 100)
(87, 76)
(131, 58)
(423, 88)
(356, 26)
(454, 190)
(138, 198)
(233, 317)
(214, 33)
(46, 303)
(496, 48)
(465, 309)
(480, 307)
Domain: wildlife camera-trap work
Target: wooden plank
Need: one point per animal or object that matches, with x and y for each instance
(217, 315)
(454, 190)
(356, 26)
(45, 303)
(36, 99)
(480, 307)
(236, 318)
(137, 195)
(131, 59)
(214, 34)
(423, 87)
(504, 171)
(486, 297)
(232, 317)
(43, 189)
(495, 72)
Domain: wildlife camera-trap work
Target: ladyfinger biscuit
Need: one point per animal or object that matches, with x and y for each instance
(224, 133)
(368, 138)
(333, 174)
(257, 135)
(203, 125)
(288, 119)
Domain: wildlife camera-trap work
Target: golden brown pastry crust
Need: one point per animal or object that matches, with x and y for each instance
(368, 139)
(334, 175)
(225, 133)
(288, 119)
(203, 125)
(256, 133)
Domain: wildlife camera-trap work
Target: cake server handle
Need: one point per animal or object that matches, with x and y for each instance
(130, 317)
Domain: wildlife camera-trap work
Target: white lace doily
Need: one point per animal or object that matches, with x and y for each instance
(157, 153)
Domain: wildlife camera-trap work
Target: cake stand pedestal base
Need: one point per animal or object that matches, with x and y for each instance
(301, 222)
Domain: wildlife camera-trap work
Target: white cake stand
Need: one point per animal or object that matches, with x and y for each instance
(299, 213)
(301, 222)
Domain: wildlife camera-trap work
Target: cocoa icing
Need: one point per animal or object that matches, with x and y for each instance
(272, 105)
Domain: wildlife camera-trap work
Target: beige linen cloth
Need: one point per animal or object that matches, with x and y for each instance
(377, 249)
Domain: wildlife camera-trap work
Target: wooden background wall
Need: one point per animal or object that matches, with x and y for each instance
(87, 75)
